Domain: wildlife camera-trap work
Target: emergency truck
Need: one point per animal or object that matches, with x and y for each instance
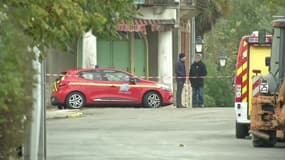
(250, 58)
(267, 122)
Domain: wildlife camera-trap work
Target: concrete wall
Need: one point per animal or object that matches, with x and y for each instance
(56, 62)
(157, 13)
(160, 45)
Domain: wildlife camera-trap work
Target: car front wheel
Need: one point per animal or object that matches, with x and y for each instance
(152, 100)
(75, 100)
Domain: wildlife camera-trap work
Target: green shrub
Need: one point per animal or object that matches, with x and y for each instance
(16, 83)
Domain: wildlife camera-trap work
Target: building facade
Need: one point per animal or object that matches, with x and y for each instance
(148, 47)
(150, 44)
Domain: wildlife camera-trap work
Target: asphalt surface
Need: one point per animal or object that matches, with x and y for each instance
(152, 134)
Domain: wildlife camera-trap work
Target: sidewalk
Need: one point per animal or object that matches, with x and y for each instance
(66, 113)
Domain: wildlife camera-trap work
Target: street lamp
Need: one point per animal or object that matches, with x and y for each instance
(222, 60)
(199, 45)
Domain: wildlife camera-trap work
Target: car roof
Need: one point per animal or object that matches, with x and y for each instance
(75, 71)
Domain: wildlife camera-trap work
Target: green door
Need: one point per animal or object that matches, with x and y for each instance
(121, 58)
(116, 54)
(104, 53)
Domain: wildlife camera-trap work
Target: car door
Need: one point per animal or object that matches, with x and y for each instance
(120, 90)
(91, 85)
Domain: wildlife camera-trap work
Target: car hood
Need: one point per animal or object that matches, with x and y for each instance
(149, 82)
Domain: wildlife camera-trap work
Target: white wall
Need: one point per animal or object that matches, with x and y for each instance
(157, 13)
(165, 67)
(89, 50)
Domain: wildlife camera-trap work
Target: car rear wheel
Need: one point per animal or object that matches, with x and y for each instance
(75, 100)
(152, 99)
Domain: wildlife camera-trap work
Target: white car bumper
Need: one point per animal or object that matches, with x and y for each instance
(241, 111)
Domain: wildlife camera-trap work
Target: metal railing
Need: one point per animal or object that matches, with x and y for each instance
(200, 4)
(157, 2)
(188, 3)
(139, 2)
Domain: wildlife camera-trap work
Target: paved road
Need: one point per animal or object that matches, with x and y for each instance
(152, 134)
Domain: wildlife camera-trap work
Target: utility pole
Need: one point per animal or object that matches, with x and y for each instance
(193, 38)
(177, 26)
(35, 144)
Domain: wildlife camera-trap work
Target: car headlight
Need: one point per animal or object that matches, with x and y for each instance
(264, 87)
(165, 87)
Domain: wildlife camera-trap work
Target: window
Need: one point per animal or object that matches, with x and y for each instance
(98, 76)
(110, 75)
(91, 75)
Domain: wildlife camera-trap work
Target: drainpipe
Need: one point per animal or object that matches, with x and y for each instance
(79, 56)
(146, 56)
(132, 52)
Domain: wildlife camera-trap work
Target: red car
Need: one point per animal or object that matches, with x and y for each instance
(107, 86)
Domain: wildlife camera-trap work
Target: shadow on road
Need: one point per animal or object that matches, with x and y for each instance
(120, 106)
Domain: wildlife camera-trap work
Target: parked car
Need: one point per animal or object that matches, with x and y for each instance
(107, 86)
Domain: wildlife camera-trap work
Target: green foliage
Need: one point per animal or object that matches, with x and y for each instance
(55, 24)
(207, 19)
(60, 24)
(224, 38)
(16, 83)
(218, 86)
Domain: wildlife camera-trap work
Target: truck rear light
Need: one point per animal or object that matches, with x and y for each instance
(238, 91)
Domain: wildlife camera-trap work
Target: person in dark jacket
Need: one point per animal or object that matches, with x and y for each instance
(180, 71)
(198, 71)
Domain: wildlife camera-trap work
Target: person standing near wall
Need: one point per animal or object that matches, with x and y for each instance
(180, 71)
(198, 72)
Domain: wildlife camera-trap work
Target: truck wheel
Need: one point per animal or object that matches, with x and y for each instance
(259, 142)
(241, 130)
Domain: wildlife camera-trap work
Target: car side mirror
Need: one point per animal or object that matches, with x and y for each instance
(267, 61)
(133, 80)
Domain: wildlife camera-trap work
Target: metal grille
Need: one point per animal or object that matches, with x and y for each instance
(200, 4)
(157, 2)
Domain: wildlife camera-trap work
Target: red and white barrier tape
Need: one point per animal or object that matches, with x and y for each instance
(154, 77)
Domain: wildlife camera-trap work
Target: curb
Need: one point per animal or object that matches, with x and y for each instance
(74, 115)
(61, 114)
